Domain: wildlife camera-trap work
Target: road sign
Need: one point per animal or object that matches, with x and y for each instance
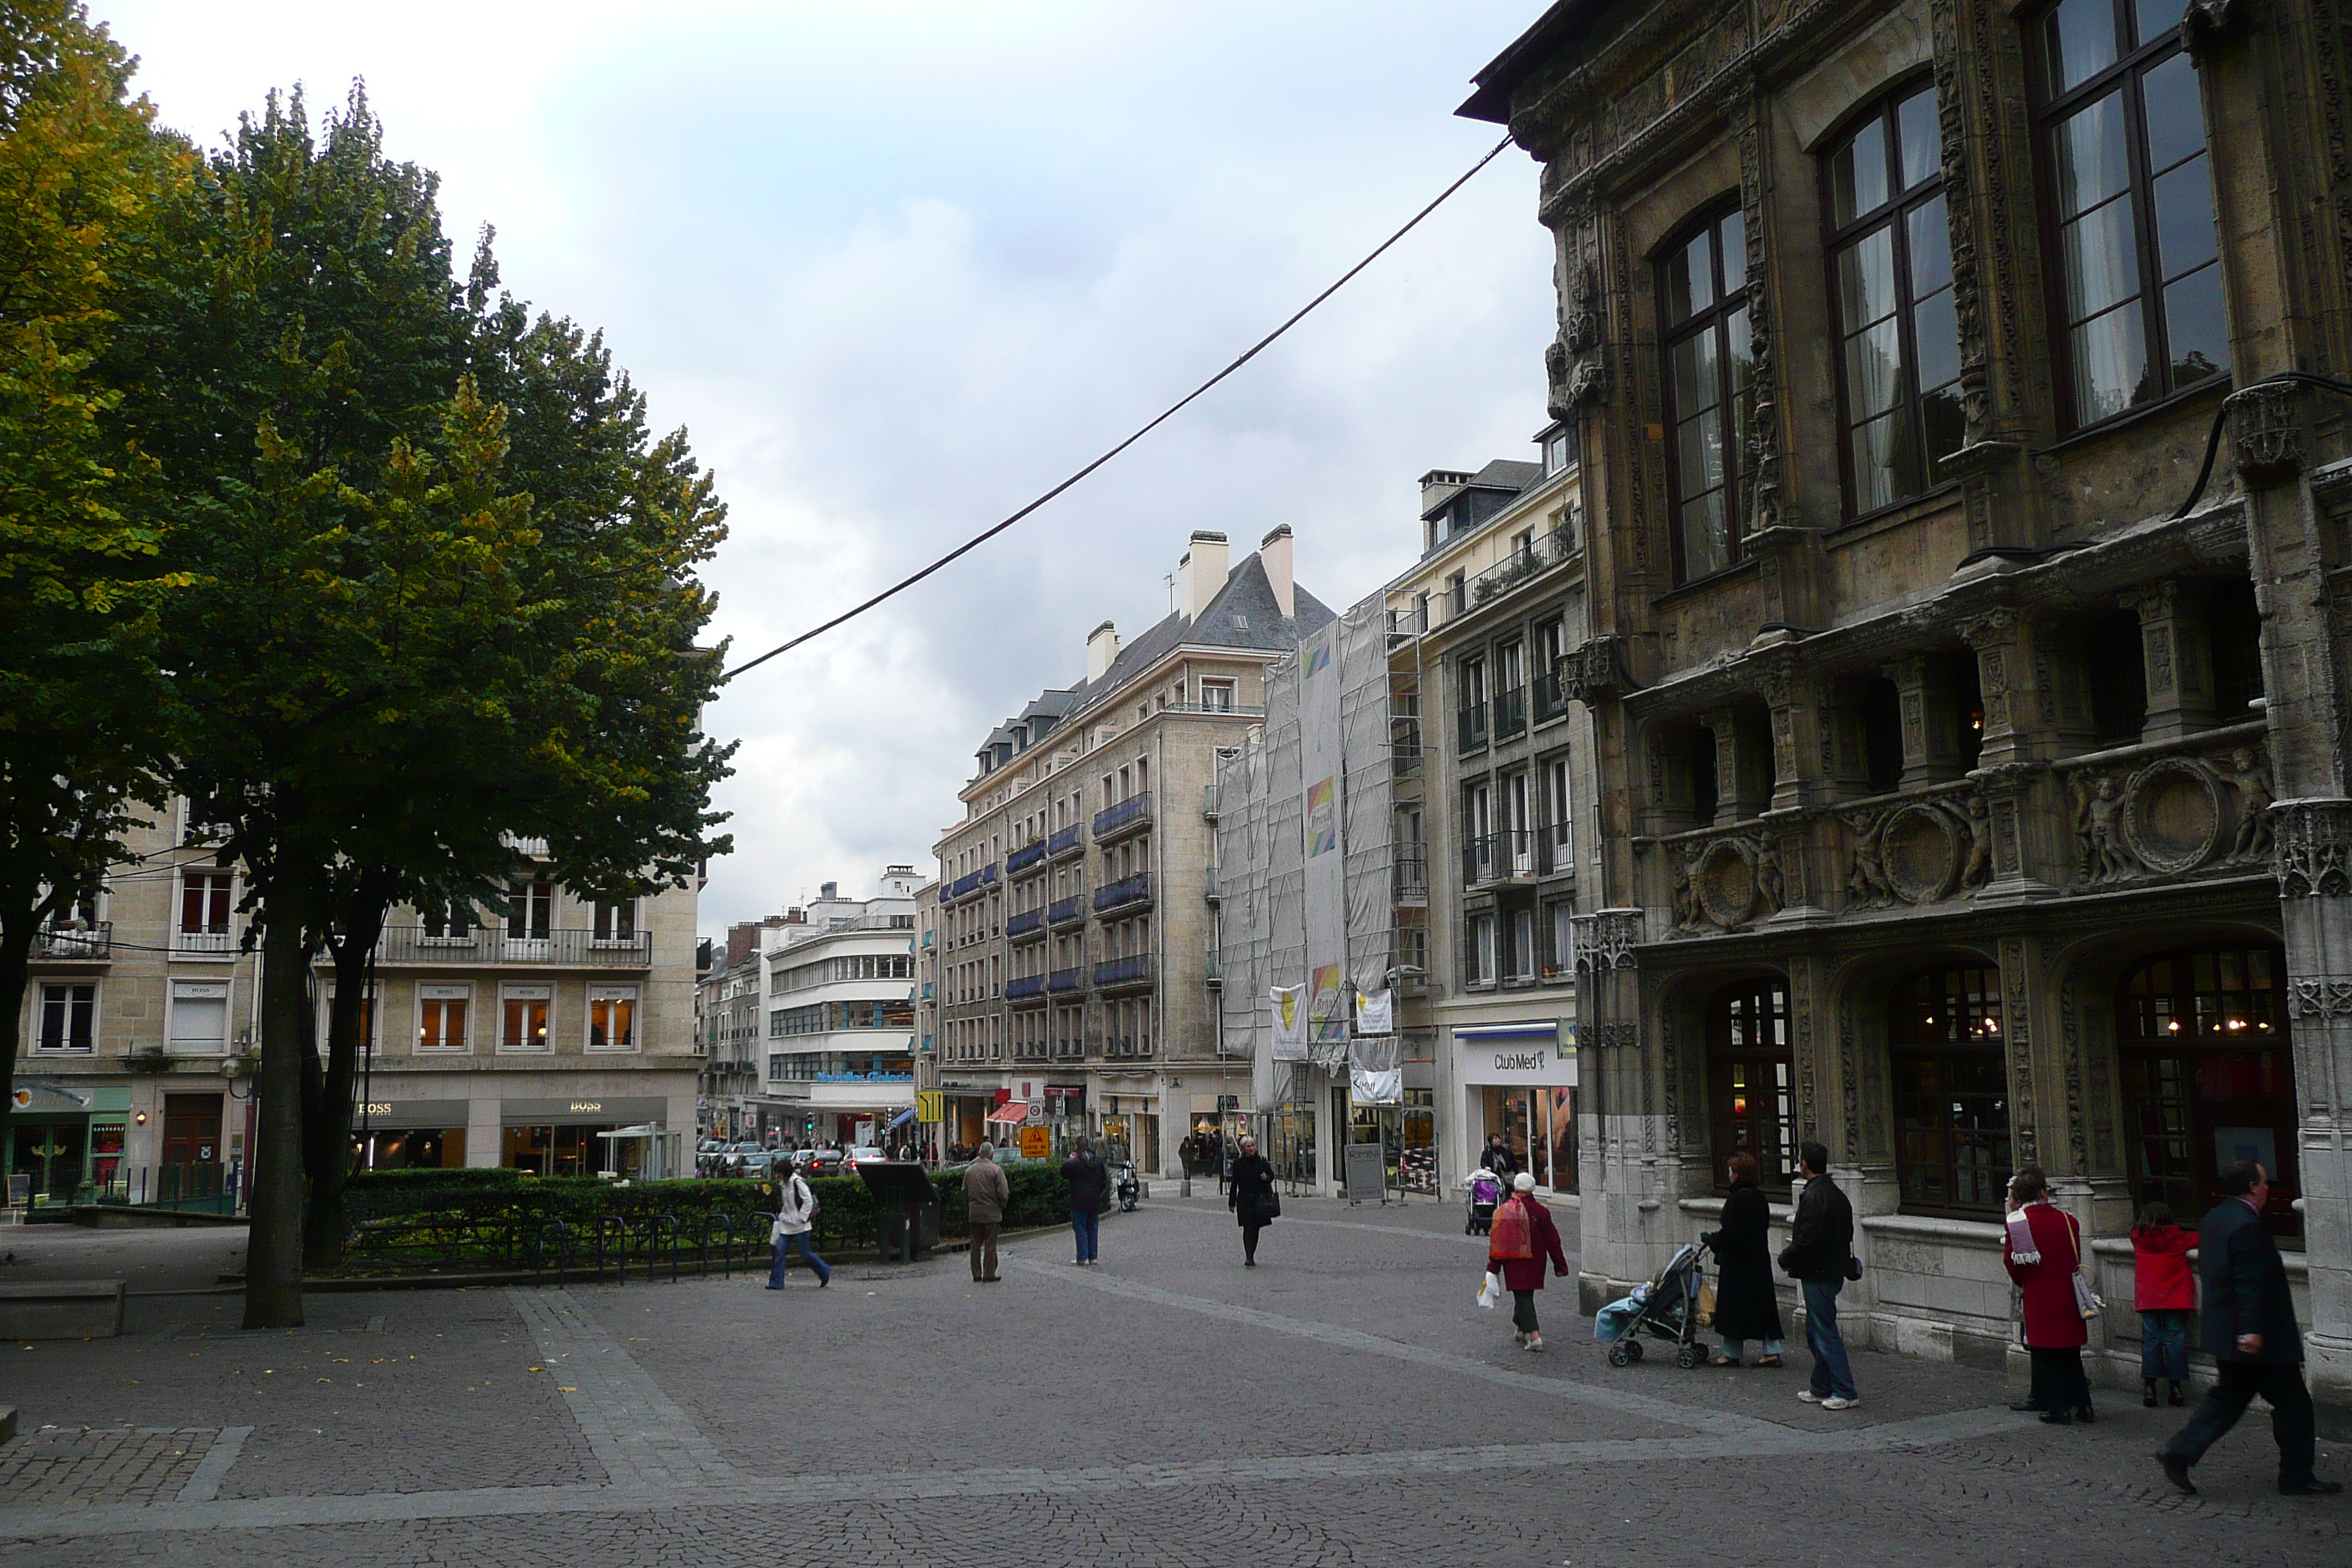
(1036, 1142)
(930, 1107)
(1036, 1113)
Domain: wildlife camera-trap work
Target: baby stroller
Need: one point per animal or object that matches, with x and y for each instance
(1486, 1191)
(1666, 1307)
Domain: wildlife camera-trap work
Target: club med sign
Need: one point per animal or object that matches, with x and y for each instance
(1534, 1053)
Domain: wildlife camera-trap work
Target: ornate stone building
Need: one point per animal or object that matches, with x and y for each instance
(1972, 764)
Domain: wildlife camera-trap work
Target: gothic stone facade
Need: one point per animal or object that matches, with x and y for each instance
(1971, 796)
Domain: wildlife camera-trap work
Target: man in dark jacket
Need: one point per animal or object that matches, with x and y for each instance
(2250, 1331)
(1089, 1180)
(1820, 1247)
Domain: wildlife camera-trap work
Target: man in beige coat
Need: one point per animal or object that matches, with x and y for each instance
(985, 1194)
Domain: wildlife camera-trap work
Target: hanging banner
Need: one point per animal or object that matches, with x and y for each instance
(1377, 1088)
(1327, 1008)
(1289, 1004)
(1376, 1011)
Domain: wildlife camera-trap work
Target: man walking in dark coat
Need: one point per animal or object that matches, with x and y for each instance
(2250, 1330)
(1820, 1249)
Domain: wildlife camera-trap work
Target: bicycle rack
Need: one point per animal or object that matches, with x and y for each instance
(612, 1224)
(562, 1249)
(726, 1246)
(653, 1245)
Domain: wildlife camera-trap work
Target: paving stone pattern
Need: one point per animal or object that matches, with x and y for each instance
(1343, 1404)
(54, 1465)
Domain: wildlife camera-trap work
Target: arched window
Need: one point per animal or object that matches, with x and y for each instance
(2208, 1076)
(1751, 1078)
(1890, 255)
(1710, 386)
(1951, 1090)
(2133, 259)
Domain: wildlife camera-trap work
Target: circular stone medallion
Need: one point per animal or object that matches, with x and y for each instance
(2172, 815)
(1921, 852)
(1726, 883)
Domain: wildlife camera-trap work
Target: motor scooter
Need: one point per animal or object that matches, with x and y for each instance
(1128, 1186)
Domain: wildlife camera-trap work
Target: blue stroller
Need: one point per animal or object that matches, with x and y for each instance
(1666, 1309)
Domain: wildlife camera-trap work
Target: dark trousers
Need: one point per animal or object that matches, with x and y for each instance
(1523, 1312)
(1249, 1240)
(2164, 1345)
(2292, 1422)
(983, 1250)
(1088, 1226)
(2059, 1381)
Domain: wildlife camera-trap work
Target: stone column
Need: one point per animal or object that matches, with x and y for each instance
(1931, 720)
(2177, 652)
(1742, 778)
(2314, 849)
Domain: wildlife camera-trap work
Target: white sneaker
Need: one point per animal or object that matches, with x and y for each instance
(1834, 1403)
(1809, 1396)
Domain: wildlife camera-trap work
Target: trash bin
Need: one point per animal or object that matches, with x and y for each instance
(907, 1207)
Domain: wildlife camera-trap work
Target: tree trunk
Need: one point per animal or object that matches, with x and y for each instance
(16, 933)
(328, 1133)
(273, 1269)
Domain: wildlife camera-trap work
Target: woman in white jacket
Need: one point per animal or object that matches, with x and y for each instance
(796, 1217)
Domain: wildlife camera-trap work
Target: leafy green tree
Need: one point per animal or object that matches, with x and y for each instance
(82, 177)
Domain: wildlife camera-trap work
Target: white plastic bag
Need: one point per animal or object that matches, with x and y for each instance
(1490, 1294)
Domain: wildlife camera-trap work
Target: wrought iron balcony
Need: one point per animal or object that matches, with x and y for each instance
(1499, 857)
(1470, 728)
(1067, 911)
(1555, 850)
(1128, 892)
(1024, 859)
(1410, 879)
(1028, 923)
(90, 942)
(1063, 981)
(1131, 816)
(1068, 842)
(1510, 712)
(1134, 973)
(1026, 988)
(420, 946)
(1549, 702)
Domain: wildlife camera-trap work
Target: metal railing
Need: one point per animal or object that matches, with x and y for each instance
(419, 945)
(1510, 712)
(1409, 879)
(1134, 812)
(1137, 970)
(1470, 728)
(1531, 560)
(1124, 893)
(1549, 702)
(1555, 850)
(1025, 857)
(1068, 841)
(1024, 988)
(1027, 923)
(92, 943)
(1499, 856)
(1067, 911)
(1063, 982)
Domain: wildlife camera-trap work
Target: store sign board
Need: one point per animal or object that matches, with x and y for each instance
(1533, 1054)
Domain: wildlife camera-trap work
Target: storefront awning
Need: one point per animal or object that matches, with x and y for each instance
(1545, 1030)
(902, 1117)
(1011, 1111)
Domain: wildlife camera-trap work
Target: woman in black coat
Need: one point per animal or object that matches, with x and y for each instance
(1250, 1195)
(1745, 1306)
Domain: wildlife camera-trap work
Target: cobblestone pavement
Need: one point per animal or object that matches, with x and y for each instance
(1343, 1404)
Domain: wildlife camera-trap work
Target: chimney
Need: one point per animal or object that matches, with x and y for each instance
(742, 941)
(828, 892)
(1201, 573)
(1273, 554)
(1102, 646)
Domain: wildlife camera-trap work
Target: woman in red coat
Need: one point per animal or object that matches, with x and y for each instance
(1522, 1237)
(2042, 1246)
(2166, 1293)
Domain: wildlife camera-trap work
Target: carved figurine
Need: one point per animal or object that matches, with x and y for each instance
(2098, 827)
(1769, 891)
(1979, 821)
(2252, 781)
(1687, 907)
(1866, 883)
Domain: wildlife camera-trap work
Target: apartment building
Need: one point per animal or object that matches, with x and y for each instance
(559, 1035)
(1076, 912)
(838, 984)
(1973, 766)
(734, 1064)
(1483, 621)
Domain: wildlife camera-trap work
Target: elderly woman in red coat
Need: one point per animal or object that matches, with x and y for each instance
(2042, 1246)
(1522, 1237)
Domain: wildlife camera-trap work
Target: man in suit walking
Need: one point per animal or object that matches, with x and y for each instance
(2250, 1330)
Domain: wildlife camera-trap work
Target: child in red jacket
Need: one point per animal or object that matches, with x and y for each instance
(2166, 1293)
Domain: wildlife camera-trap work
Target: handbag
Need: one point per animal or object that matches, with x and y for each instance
(1490, 1294)
(2087, 1302)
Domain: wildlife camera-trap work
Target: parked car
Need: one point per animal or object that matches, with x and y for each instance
(863, 1152)
(822, 1163)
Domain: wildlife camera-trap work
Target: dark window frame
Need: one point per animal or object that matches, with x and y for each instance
(1891, 214)
(1715, 319)
(1969, 1038)
(2050, 108)
(1738, 1016)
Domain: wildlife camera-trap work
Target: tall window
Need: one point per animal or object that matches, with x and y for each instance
(441, 1016)
(1703, 289)
(1750, 1078)
(2138, 282)
(204, 910)
(611, 1018)
(1951, 1090)
(524, 1026)
(531, 910)
(1559, 809)
(1891, 275)
(68, 1017)
(617, 922)
(2208, 1077)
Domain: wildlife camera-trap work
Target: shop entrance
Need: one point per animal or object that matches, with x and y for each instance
(1538, 1127)
(1407, 1135)
(192, 1128)
(48, 1156)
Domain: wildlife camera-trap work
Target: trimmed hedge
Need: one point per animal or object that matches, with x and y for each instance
(494, 1215)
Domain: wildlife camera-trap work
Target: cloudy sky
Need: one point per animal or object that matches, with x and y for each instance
(900, 266)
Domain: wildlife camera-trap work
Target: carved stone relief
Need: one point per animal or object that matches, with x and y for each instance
(2314, 839)
(1727, 882)
(1919, 851)
(2173, 816)
(2018, 1025)
(2267, 429)
(1605, 941)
